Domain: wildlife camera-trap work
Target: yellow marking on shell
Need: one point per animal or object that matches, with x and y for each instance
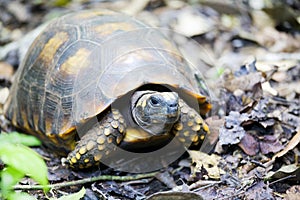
(50, 48)
(202, 137)
(114, 124)
(97, 157)
(73, 160)
(82, 150)
(107, 131)
(86, 160)
(74, 63)
(109, 28)
(101, 147)
(78, 156)
(25, 120)
(198, 120)
(186, 133)
(101, 140)
(190, 123)
(35, 122)
(196, 127)
(14, 119)
(90, 145)
(53, 138)
(178, 126)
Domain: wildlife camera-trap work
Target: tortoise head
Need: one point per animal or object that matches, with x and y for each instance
(155, 112)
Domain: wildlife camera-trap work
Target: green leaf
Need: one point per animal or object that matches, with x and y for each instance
(25, 160)
(18, 138)
(9, 177)
(75, 196)
(285, 171)
(20, 196)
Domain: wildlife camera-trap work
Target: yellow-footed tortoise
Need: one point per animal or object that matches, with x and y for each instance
(95, 80)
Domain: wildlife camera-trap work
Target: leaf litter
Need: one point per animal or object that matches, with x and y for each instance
(249, 56)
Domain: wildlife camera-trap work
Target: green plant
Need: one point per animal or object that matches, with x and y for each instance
(20, 161)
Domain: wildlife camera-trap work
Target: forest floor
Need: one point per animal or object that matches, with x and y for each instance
(249, 55)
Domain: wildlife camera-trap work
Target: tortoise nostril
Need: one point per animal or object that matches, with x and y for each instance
(173, 105)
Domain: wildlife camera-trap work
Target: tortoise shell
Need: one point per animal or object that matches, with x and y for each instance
(84, 61)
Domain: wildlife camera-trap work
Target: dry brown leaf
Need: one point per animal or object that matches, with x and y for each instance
(6, 70)
(245, 83)
(293, 193)
(208, 162)
(292, 144)
(175, 195)
(249, 145)
(284, 89)
(270, 144)
(266, 86)
(232, 132)
(285, 171)
(214, 124)
(259, 191)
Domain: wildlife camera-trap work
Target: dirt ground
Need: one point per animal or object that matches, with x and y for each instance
(249, 55)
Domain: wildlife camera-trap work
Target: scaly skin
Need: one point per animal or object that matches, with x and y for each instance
(99, 141)
(104, 136)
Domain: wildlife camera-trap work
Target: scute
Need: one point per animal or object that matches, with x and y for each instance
(82, 62)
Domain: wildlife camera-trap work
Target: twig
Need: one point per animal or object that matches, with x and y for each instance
(202, 185)
(84, 181)
(282, 179)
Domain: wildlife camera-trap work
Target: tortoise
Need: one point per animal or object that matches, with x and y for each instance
(95, 80)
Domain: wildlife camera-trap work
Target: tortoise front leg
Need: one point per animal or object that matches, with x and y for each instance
(98, 142)
(190, 128)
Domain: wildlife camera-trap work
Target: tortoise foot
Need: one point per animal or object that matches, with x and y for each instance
(102, 139)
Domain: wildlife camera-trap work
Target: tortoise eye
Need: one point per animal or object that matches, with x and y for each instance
(155, 101)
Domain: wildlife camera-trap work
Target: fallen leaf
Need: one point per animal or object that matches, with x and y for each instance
(6, 70)
(291, 145)
(285, 171)
(270, 144)
(249, 145)
(208, 162)
(232, 132)
(191, 22)
(175, 196)
(293, 193)
(75, 196)
(245, 82)
(268, 88)
(259, 191)
(211, 139)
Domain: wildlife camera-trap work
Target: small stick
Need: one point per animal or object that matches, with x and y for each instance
(84, 181)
